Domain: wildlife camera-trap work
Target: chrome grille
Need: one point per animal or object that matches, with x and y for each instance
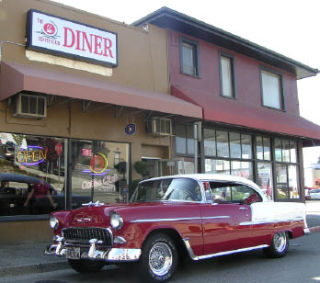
(82, 235)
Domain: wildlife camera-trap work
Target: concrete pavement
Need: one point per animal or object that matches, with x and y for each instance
(29, 258)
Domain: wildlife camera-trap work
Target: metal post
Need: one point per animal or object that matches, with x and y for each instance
(68, 173)
(195, 136)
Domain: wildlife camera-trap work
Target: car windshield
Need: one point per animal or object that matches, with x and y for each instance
(172, 189)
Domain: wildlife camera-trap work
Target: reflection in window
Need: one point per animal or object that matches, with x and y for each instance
(184, 139)
(209, 142)
(222, 144)
(293, 182)
(264, 180)
(189, 59)
(31, 175)
(227, 76)
(286, 172)
(271, 90)
(278, 149)
(242, 169)
(100, 170)
(217, 166)
(263, 148)
(246, 146)
(235, 147)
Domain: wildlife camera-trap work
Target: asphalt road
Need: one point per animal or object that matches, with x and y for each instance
(302, 264)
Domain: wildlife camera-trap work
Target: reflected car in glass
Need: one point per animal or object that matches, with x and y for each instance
(14, 190)
(314, 194)
(169, 218)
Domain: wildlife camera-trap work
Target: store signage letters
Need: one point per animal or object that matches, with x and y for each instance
(57, 36)
(33, 155)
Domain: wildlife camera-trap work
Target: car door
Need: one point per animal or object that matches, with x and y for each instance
(227, 220)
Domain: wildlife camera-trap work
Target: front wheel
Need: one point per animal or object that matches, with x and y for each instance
(85, 266)
(279, 245)
(159, 259)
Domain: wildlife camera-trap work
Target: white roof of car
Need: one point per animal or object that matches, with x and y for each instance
(213, 177)
(216, 177)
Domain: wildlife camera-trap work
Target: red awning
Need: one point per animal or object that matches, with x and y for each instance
(245, 115)
(16, 78)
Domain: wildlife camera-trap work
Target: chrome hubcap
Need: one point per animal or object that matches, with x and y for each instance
(280, 241)
(160, 259)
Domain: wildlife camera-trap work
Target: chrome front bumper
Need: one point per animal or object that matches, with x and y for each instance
(93, 253)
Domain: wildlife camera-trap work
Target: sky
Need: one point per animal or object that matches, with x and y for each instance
(289, 27)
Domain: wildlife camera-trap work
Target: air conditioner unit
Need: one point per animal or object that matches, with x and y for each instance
(161, 126)
(30, 106)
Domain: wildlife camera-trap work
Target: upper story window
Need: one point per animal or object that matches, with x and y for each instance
(227, 76)
(189, 57)
(272, 94)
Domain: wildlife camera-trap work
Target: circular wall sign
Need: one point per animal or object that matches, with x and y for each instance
(130, 129)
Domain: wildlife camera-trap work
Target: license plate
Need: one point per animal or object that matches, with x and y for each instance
(73, 253)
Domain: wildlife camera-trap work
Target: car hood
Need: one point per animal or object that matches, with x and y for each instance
(100, 215)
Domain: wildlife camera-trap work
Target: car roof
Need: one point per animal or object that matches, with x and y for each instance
(19, 178)
(215, 178)
(211, 177)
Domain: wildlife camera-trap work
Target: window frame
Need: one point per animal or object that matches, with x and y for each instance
(195, 45)
(281, 88)
(233, 75)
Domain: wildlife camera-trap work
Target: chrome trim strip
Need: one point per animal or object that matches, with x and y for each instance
(196, 258)
(247, 223)
(178, 219)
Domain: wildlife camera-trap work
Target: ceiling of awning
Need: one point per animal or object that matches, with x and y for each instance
(16, 78)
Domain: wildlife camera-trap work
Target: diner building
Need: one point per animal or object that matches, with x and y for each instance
(84, 100)
(251, 124)
(89, 106)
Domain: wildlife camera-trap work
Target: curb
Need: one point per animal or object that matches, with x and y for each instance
(37, 268)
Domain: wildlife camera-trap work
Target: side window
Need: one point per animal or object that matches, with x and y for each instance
(244, 194)
(233, 193)
(183, 189)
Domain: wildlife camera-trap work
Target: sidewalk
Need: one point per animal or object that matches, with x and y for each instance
(28, 258)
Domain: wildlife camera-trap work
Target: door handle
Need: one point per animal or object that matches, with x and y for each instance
(242, 208)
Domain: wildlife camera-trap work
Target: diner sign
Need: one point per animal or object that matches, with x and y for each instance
(61, 37)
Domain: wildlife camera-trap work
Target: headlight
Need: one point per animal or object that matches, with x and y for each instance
(116, 221)
(54, 222)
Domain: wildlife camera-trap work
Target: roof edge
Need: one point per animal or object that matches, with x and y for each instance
(307, 71)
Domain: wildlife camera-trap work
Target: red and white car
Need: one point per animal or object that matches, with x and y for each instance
(199, 216)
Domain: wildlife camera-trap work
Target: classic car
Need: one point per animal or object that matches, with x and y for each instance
(169, 218)
(14, 189)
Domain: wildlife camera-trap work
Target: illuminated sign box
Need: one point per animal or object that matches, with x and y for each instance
(60, 37)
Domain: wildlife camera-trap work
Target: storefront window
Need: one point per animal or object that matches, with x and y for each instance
(222, 143)
(242, 169)
(235, 145)
(217, 166)
(99, 171)
(278, 150)
(263, 148)
(209, 142)
(32, 174)
(264, 180)
(286, 169)
(185, 166)
(246, 146)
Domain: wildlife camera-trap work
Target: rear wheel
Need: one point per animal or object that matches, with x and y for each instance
(85, 266)
(279, 245)
(159, 259)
